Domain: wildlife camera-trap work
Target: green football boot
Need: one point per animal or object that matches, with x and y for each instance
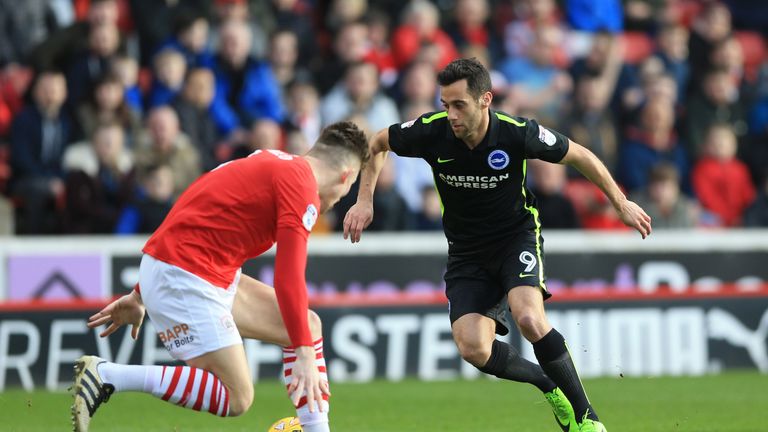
(589, 425)
(563, 410)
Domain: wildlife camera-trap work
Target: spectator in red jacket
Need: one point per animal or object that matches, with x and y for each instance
(721, 182)
(419, 31)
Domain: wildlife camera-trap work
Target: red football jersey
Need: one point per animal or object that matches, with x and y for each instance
(237, 212)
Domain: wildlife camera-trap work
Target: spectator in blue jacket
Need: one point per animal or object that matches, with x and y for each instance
(653, 142)
(152, 202)
(246, 90)
(39, 134)
(170, 67)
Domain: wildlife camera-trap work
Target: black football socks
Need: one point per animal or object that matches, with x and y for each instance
(554, 358)
(507, 363)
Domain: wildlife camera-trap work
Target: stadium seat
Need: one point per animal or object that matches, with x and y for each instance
(636, 45)
(684, 12)
(145, 80)
(592, 207)
(5, 168)
(754, 48)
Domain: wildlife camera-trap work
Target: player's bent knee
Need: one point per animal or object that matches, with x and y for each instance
(531, 326)
(474, 351)
(315, 325)
(240, 402)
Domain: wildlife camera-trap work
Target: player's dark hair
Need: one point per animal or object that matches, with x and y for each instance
(477, 76)
(345, 136)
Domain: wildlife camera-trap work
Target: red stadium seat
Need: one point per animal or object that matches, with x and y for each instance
(637, 46)
(754, 47)
(145, 79)
(5, 167)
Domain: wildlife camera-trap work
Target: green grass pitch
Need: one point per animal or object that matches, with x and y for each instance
(732, 402)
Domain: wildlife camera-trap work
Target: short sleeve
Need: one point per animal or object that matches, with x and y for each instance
(544, 143)
(408, 139)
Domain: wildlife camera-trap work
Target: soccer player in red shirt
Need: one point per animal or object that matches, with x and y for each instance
(200, 303)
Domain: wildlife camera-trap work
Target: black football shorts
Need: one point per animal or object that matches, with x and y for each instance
(479, 282)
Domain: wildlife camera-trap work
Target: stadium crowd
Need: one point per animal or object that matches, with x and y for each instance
(110, 108)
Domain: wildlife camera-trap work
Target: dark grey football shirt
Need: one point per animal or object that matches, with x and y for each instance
(482, 190)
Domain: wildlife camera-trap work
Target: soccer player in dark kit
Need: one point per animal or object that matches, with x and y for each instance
(495, 254)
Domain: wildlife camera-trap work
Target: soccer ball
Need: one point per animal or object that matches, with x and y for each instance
(287, 424)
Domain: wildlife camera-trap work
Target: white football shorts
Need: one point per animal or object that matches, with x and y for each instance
(192, 316)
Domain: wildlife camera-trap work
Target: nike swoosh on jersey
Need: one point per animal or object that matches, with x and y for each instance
(440, 160)
(524, 275)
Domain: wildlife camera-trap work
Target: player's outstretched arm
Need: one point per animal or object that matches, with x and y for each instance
(291, 293)
(128, 309)
(306, 380)
(592, 168)
(360, 215)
